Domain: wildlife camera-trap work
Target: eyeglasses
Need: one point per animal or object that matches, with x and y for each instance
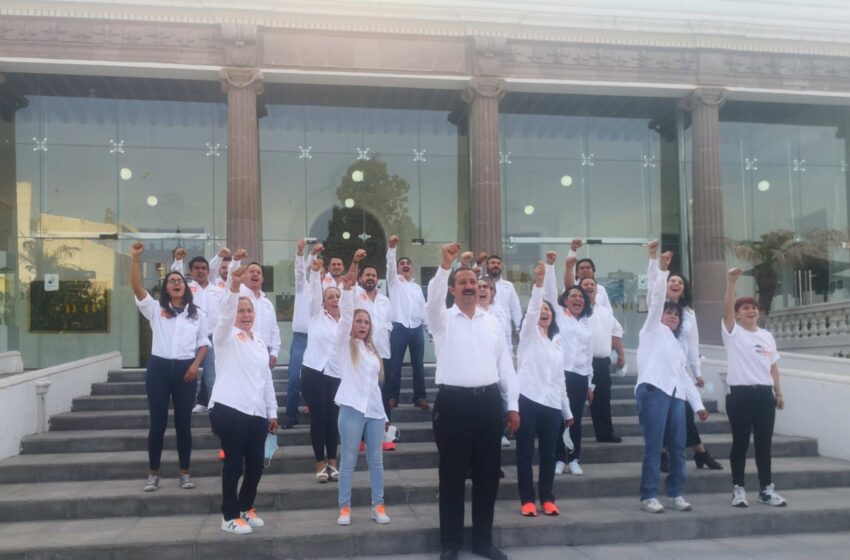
(175, 281)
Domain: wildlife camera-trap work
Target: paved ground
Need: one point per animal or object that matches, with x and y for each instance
(814, 546)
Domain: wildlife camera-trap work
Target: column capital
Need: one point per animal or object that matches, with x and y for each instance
(704, 96)
(487, 88)
(241, 78)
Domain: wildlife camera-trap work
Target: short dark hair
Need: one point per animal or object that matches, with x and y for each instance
(398, 261)
(586, 311)
(679, 309)
(491, 257)
(342, 260)
(367, 267)
(196, 260)
(745, 300)
(587, 260)
(252, 263)
(455, 273)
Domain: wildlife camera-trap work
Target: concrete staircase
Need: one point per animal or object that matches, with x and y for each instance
(75, 491)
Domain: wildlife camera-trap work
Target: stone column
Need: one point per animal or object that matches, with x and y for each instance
(244, 215)
(707, 244)
(483, 95)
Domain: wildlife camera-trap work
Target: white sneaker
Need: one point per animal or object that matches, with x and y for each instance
(506, 442)
(252, 518)
(651, 505)
(379, 514)
(739, 496)
(769, 497)
(199, 409)
(575, 468)
(236, 526)
(186, 482)
(344, 516)
(678, 503)
(152, 483)
(559, 467)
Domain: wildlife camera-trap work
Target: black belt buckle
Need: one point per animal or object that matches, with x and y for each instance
(479, 390)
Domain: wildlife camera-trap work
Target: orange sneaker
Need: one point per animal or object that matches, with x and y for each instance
(221, 454)
(344, 516)
(379, 514)
(388, 446)
(549, 508)
(529, 509)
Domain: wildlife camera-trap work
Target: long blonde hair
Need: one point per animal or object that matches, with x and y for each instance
(367, 340)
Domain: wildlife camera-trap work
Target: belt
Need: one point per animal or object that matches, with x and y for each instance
(751, 387)
(482, 390)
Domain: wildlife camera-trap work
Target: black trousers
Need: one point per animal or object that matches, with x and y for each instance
(164, 381)
(577, 393)
(243, 439)
(600, 408)
(751, 409)
(468, 433)
(543, 423)
(319, 391)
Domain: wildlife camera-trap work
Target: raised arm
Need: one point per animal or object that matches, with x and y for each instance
(570, 272)
(435, 307)
(179, 255)
(656, 297)
(729, 301)
(532, 314)
(300, 264)
(346, 302)
(229, 304)
(215, 261)
(315, 286)
(652, 268)
(550, 286)
(575, 245)
(392, 274)
(136, 271)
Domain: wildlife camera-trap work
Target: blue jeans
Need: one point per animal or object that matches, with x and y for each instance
(401, 339)
(662, 419)
(293, 389)
(164, 382)
(352, 427)
(207, 377)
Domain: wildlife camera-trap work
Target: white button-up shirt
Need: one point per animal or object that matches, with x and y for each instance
(206, 297)
(601, 292)
(508, 300)
(321, 350)
(576, 341)
(470, 352)
(265, 319)
(379, 311)
(504, 321)
(603, 325)
(243, 379)
(359, 387)
(660, 358)
(174, 338)
(406, 300)
(539, 361)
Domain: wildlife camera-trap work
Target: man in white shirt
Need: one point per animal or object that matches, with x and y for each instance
(208, 298)
(335, 274)
(407, 306)
(506, 296)
(585, 268)
(475, 376)
(265, 322)
(219, 266)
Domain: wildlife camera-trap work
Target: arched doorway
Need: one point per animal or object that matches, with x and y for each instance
(344, 230)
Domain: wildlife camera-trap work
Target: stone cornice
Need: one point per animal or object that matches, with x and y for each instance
(742, 27)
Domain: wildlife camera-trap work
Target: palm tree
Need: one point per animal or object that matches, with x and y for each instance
(779, 248)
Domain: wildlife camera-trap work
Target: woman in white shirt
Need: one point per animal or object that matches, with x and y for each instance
(243, 406)
(543, 403)
(662, 387)
(319, 374)
(577, 356)
(754, 392)
(361, 409)
(679, 291)
(180, 341)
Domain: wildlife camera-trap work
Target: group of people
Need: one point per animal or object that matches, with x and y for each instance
(348, 345)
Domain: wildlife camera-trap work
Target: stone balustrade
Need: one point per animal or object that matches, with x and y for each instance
(822, 328)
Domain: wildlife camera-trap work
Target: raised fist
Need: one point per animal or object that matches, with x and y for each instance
(240, 254)
(734, 274)
(317, 263)
(224, 252)
(138, 249)
(359, 255)
(551, 257)
(179, 253)
(576, 244)
(393, 241)
(299, 246)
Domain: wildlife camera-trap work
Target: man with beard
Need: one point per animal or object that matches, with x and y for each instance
(475, 376)
(585, 268)
(336, 271)
(506, 296)
(408, 317)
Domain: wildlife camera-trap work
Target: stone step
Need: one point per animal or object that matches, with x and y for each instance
(111, 439)
(619, 407)
(414, 528)
(56, 467)
(279, 373)
(124, 498)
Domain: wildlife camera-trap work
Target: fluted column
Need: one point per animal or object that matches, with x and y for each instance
(483, 95)
(707, 243)
(244, 215)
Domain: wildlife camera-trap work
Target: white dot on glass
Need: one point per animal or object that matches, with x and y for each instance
(357, 176)
(566, 181)
(152, 200)
(349, 203)
(764, 185)
(346, 235)
(529, 210)
(126, 173)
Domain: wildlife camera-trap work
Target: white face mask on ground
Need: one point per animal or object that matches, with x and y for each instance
(391, 435)
(271, 447)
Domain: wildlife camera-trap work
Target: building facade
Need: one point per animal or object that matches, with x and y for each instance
(511, 127)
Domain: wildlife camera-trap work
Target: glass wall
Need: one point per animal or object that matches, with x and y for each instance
(350, 167)
(587, 168)
(95, 169)
(784, 174)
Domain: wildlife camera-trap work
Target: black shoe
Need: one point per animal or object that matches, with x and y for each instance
(448, 554)
(610, 439)
(665, 466)
(490, 552)
(705, 460)
(289, 424)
